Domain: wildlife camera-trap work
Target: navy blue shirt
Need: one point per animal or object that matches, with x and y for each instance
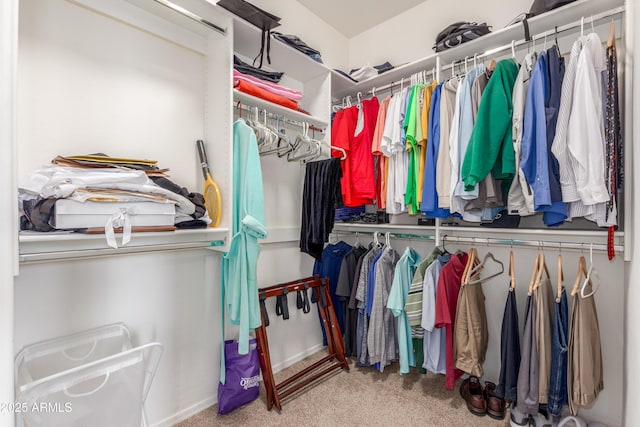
(429, 205)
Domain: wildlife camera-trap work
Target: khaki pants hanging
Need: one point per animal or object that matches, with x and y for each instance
(471, 335)
(584, 367)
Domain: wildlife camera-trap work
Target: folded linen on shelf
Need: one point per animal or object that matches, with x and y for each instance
(251, 89)
(274, 88)
(39, 192)
(272, 76)
(100, 161)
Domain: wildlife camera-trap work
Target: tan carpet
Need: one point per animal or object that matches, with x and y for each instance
(361, 396)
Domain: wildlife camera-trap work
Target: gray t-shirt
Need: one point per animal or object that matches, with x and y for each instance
(382, 340)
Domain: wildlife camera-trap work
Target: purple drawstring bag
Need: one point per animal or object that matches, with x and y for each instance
(242, 383)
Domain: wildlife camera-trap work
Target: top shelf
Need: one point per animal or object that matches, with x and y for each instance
(36, 246)
(180, 21)
(295, 64)
(538, 24)
(394, 75)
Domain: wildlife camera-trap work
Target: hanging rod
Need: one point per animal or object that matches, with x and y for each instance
(539, 244)
(184, 12)
(72, 255)
(275, 116)
(560, 29)
(382, 233)
(432, 72)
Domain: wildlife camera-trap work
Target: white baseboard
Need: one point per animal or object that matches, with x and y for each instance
(212, 400)
(296, 358)
(186, 413)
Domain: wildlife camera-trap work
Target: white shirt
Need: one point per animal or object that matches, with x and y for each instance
(434, 344)
(443, 164)
(520, 199)
(585, 132)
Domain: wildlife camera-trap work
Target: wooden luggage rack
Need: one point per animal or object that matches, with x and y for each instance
(335, 358)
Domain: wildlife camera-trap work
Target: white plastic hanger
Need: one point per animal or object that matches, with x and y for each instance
(333, 147)
(387, 239)
(590, 273)
(513, 49)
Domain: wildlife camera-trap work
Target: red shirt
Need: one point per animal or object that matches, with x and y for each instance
(342, 130)
(446, 302)
(363, 181)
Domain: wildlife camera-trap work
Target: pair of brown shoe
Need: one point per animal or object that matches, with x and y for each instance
(482, 400)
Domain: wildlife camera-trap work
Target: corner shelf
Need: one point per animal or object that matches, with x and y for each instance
(278, 109)
(35, 246)
(394, 75)
(246, 42)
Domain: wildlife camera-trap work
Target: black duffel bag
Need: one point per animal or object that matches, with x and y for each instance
(458, 33)
(541, 6)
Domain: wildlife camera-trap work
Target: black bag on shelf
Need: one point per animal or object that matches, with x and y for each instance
(458, 33)
(541, 6)
(260, 18)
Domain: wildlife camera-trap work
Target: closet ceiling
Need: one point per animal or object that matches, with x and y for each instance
(352, 17)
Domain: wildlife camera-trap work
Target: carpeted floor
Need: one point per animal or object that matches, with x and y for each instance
(361, 396)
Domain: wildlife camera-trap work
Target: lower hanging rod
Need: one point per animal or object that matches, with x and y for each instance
(537, 244)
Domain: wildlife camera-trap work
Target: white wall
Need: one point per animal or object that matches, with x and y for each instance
(88, 83)
(410, 35)
(8, 223)
(298, 20)
(632, 272)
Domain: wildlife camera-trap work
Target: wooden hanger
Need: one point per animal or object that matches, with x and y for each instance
(512, 272)
(470, 262)
(542, 267)
(582, 270)
(534, 274)
(612, 34)
(481, 265)
(560, 278)
(492, 65)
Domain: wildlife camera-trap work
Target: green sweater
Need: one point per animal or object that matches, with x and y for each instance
(490, 148)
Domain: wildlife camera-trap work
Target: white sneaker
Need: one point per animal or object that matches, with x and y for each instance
(541, 421)
(519, 419)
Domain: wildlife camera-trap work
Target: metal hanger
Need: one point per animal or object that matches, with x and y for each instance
(480, 266)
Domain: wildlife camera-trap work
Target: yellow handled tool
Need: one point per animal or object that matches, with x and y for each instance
(211, 191)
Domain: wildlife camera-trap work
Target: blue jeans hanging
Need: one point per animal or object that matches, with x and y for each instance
(558, 384)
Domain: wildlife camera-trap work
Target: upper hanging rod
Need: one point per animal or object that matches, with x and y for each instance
(431, 72)
(184, 12)
(540, 244)
(552, 32)
(251, 109)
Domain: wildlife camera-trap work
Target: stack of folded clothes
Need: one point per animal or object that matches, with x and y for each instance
(263, 84)
(108, 194)
(266, 90)
(366, 72)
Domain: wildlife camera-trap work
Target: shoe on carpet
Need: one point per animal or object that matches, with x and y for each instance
(519, 419)
(495, 405)
(473, 394)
